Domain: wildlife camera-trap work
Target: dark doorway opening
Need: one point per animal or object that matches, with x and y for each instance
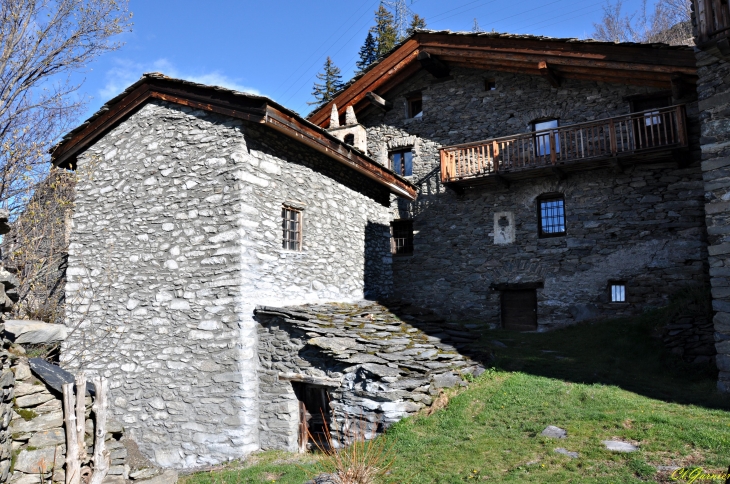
(314, 415)
(519, 309)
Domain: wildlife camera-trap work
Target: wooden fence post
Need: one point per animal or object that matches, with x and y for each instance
(101, 454)
(73, 464)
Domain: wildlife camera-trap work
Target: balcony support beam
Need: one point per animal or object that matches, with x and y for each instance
(548, 73)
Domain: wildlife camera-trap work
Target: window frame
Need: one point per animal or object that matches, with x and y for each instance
(401, 151)
(410, 100)
(545, 198)
(406, 225)
(536, 137)
(611, 285)
(285, 240)
(490, 84)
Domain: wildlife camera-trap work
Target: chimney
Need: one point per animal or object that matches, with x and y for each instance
(352, 133)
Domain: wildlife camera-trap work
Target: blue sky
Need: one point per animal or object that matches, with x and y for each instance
(276, 47)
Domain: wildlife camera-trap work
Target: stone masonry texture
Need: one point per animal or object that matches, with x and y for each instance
(642, 224)
(176, 238)
(713, 91)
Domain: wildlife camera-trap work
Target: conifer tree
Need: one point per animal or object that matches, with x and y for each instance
(331, 83)
(384, 30)
(368, 53)
(417, 22)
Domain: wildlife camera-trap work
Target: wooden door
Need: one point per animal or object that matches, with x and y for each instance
(519, 310)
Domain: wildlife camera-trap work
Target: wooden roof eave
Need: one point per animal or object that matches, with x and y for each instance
(258, 110)
(334, 149)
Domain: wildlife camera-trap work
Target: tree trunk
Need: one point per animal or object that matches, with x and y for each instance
(73, 465)
(101, 454)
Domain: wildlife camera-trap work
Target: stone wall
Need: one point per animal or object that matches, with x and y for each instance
(377, 367)
(642, 224)
(176, 237)
(713, 90)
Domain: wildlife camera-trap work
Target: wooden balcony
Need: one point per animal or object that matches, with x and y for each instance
(644, 135)
(712, 18)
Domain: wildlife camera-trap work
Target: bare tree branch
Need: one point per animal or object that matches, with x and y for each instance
(667, 22)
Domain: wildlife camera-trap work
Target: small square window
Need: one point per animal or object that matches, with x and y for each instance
(618, 292)
(415, 106)
(490, 84)
(401, 242)
(551, 216)
(292, 228)
(401, 162)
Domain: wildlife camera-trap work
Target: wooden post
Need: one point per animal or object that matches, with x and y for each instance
(73, 464)
(612, 137)
(681, 129)
(81, 415)
(101, 454)
(495, 155)
(553, 147)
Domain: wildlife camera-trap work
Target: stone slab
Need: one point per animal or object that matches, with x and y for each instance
(54, 376)
(167, 477)
(35, 332)
(554, 432)
(572, 455)
(616, 446)
(30, 461)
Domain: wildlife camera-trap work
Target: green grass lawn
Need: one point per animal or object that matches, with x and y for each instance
(598, 381)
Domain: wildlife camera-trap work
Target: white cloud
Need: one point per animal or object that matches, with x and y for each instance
(126, 73)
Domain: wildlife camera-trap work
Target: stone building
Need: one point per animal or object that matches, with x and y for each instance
(713, 90)
(522, 181)
(193, 205)
(542, 200)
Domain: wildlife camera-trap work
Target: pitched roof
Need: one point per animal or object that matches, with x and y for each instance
(626, 63)
(257, 109)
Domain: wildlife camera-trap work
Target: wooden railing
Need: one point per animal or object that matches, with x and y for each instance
(623, 135)
(713, 20)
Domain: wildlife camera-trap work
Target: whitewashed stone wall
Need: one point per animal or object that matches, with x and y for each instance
(176, 237)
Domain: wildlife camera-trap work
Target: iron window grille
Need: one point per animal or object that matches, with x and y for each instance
(401, 162)
(551, 216)
(292, 228)
(618, 292)
(401, 242)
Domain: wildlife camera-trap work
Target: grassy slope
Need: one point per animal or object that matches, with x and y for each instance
(597, 381)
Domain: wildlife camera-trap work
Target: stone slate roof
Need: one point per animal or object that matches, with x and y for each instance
(370, 336)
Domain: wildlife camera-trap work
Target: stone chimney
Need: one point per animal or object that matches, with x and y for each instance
(352, 133)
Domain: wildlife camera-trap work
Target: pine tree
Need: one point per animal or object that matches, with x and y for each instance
(384, 30)
(368, 53)
(331, 83)
(417, 22)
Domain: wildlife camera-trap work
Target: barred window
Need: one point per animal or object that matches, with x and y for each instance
(551, 216)
(618, 292)
(401, 237)
(292, 228)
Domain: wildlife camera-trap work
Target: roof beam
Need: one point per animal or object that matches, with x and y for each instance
(433, 65)
(549, 74)
(378, 101)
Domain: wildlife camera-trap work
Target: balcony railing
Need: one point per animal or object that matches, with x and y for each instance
(713, 20)
(636, 133)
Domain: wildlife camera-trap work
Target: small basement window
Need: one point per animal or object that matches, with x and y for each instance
(618, 292)
(551, 215)
(415, 106)
(401, 162)
(490, 84)
(401, 242)
(292, 228)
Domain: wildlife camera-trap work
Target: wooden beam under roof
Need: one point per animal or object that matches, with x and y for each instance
(549, 74)
(433, 65)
